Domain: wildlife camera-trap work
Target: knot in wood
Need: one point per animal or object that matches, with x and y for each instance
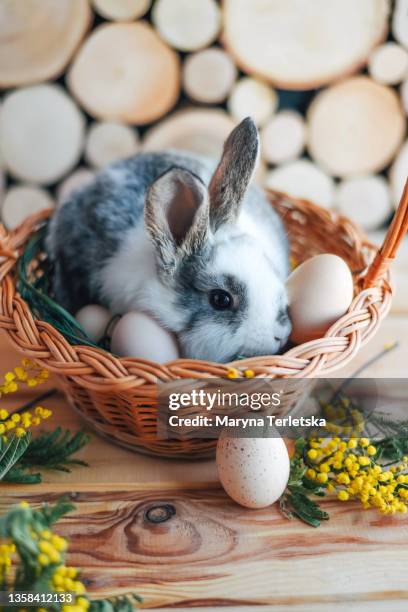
(160, 513)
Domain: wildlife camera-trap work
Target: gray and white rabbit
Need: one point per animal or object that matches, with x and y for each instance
(188, 242)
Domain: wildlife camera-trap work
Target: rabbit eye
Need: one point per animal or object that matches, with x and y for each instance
(220, 299)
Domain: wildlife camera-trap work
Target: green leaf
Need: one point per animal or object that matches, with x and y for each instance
(11, 452)
(300, 445)
(306, 509)
(51, 514)
(306, 518)
(21, 476)
(53, 450)
(125, 603)
(296, 500)
(311, 485)
(310, 506)
(392, 449)
(100, 605)
(50, 450)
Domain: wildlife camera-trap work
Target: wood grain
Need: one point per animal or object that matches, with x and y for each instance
(346, 606)
(358, 104)
(166, 530)
(265, 39)
(196, 547)
(125, 91)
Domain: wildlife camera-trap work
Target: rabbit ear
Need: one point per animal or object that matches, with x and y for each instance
(234, 172)
(176, 215)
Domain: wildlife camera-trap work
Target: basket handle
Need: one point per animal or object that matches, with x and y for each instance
(392, 240)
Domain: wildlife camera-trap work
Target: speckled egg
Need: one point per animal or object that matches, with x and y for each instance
(320, 291)
(94, 320)
(138, 335)
(253, 471)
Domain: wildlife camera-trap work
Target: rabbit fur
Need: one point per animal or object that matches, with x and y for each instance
(188, 241)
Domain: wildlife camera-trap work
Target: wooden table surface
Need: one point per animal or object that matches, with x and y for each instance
(211, 552)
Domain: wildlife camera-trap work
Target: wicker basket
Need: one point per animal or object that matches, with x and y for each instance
(118, 397)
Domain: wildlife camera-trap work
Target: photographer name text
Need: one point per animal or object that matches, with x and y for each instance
(244, 422)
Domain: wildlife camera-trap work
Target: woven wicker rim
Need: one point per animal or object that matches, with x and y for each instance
(100, 371)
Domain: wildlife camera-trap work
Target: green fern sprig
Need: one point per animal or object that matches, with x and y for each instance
(54, 450)
(11, 451)
(50, 450)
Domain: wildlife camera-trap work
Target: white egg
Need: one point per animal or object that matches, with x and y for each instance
(320, 291)
(94, 320)
(138, 335)
(253, 471)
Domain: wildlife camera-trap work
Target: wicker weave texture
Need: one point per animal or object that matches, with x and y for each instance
(119, 395)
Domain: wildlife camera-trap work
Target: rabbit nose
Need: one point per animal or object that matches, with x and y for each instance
(278, 339)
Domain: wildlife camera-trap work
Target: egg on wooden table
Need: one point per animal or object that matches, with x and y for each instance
(94, 320)
(138, 335)
(254, 472)
(320, 291)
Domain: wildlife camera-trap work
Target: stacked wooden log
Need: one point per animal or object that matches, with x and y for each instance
(87, 82)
